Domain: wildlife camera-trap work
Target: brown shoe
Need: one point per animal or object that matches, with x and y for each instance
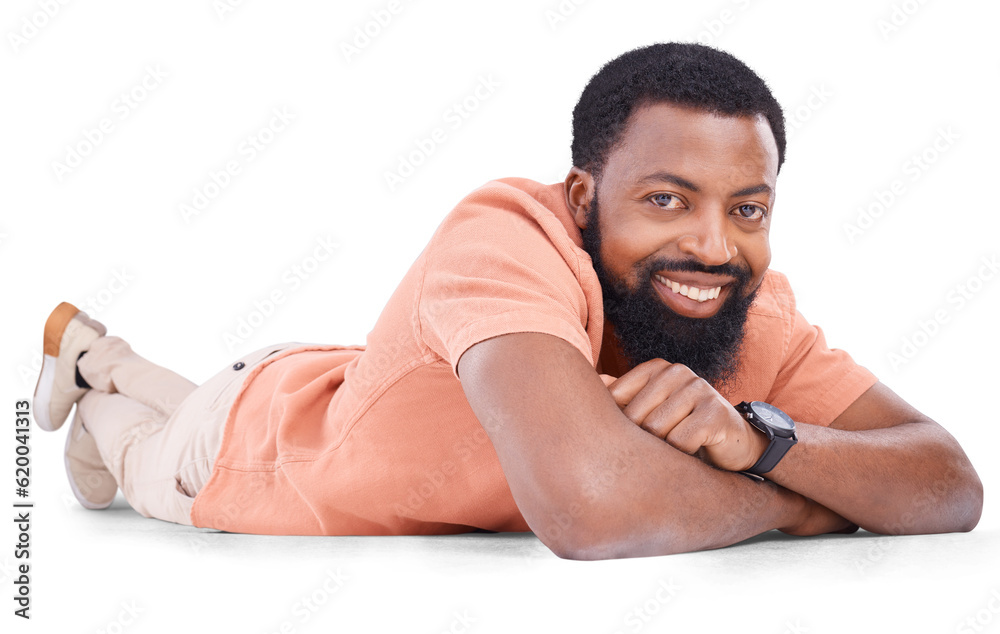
(68, 332)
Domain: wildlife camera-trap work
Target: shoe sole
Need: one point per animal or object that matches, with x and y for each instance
(43, 394)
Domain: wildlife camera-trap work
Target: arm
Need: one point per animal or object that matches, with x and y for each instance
(589, 482)
(881, 464)
(886, 467)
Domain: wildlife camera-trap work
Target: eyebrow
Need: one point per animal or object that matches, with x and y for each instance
(763, 188)
(659, 177)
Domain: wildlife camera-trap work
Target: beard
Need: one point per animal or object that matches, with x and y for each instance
(646, 328)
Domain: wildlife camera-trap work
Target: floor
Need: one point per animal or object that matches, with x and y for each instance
(115, 571)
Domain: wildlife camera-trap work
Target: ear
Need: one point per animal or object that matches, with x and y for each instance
(579, 189)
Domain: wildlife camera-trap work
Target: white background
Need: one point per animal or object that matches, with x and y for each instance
(887, 94)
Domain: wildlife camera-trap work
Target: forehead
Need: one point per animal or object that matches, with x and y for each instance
(700, 146)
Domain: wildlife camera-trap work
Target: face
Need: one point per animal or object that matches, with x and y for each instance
(678, 231)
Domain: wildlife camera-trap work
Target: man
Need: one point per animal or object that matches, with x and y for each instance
(561, 358)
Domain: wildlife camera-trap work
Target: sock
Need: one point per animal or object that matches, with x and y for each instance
(80, 382)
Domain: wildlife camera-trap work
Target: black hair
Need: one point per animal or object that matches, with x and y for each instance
(691, 75)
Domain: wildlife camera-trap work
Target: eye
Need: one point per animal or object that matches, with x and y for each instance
(666, 201)
(749, 211)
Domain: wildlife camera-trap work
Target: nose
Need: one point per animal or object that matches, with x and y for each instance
(707, 239)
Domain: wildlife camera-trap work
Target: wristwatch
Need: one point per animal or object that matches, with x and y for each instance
(779, 429)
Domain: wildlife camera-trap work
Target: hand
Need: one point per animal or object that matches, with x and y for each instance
(671, 402)
(816, 519)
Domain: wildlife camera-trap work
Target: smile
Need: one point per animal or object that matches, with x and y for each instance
(691, 292)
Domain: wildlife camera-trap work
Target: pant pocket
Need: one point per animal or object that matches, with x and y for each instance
(228, 382)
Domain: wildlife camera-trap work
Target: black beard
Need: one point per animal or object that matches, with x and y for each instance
(646, 328)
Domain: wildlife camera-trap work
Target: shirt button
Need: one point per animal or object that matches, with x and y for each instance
(239, 365)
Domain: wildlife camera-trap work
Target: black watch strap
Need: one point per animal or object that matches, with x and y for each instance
(779, 443)
(775, 451)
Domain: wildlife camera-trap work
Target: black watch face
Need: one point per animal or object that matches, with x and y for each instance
(773, 418)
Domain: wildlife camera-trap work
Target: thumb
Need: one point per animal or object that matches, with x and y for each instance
(608, 379)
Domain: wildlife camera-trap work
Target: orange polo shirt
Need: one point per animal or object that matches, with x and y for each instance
(380, 439)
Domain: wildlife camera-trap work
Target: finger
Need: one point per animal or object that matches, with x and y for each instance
(624, 389)
(705, 430)
(687, 434)
(669, 415)
(674, 387)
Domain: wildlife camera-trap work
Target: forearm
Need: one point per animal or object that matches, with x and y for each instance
(588, 481)
(906, 479)
(645, 498)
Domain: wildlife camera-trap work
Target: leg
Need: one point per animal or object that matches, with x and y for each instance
(126, 433)
(131, 399)
(138, 426)
(160, 461)
(111, 366)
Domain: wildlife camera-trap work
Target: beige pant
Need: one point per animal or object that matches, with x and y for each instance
(158, 433)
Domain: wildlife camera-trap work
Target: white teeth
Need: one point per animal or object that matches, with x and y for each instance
(692, 292)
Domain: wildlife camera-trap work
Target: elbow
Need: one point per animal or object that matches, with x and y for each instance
(960, 488)
(569, 550)
(581, 547)
(566, 533)
(566, 516)
(974, 505)
(951, 504)
(584, 518)
(582, 532)
(571, 523)
(591, 546)
(960, 485)
(967, 497)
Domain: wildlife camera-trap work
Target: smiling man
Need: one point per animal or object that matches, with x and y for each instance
(606, 361)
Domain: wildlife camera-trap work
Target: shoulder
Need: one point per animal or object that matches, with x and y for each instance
(503, 192)
(513, 214)
(503, 261)
(543, 204)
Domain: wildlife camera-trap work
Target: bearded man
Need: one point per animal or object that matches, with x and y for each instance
(607, 361)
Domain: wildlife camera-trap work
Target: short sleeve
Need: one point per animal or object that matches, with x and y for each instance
(492, 269)
(816, 383)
